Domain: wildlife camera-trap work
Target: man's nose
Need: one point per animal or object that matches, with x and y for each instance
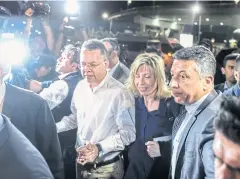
(174, 83)
(224, 173)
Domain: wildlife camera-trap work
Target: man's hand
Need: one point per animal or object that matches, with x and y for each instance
(35, 86)
(29, 12)
(87, 154)
(153, 149)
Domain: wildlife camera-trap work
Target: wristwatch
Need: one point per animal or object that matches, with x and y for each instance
(99, 148)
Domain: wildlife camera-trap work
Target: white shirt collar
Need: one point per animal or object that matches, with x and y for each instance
(64, 75)
(193, 107)
(2, 91)
(94, 89)
(112, 70)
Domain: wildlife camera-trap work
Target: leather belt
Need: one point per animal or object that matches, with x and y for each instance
(100, 164)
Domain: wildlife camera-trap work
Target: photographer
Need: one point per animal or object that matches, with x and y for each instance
(40, 10)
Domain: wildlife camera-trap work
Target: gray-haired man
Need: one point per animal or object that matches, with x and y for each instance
(192, 86)
(103, 111)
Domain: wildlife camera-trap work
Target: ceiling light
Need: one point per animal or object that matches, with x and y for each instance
(179, 19)
(195, 23)
(196, 8)
(221, 23)
(207, 19)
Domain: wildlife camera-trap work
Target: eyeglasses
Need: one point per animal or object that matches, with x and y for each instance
(91, 65)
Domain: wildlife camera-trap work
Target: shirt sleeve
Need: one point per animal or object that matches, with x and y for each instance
(125, 119)
(69, 122)
(55, 93)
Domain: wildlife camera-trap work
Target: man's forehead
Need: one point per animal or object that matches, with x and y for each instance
(227, 149)
(91, 52)
(183, 65)
(91, 55)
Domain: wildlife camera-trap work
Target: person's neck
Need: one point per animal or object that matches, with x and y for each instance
(114, 63)
(229, 84)
(151, 103)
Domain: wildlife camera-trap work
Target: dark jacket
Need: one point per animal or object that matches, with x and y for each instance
(150, 125)
(32, 116)
(121, 73)
(19, 159)
(68, 138)
(219, 87)
(195, 157)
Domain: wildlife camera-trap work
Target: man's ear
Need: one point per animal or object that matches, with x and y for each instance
(208, 81)
(236, 75)
(223, 70)
(74, 66)
(114, 54)
(106, 64)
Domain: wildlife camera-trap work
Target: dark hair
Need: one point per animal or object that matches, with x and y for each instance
(232, 56)
(204, 58)
(238, 63)
(74, 51)
(206, 43)
(94, 44)
(46, 61)
(114, 43)
(228, 119)
(153, 50)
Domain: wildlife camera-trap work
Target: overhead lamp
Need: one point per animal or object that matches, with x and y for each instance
(196, 8)
(105, 15)
(179, 19)
(195, 23)
(221, 23)
(207, 19)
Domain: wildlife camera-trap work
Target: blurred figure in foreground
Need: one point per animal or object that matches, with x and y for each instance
(226, 144)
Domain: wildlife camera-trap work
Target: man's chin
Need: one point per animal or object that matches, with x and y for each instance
(179, 100)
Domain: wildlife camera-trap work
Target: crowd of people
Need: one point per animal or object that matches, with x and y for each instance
(88, 116)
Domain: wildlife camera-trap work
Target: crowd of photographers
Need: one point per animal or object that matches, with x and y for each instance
(82, 113)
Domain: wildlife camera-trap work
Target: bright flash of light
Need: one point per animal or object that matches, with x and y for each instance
(196, 8)
(105, 15)
(13, 52)
(72, 7)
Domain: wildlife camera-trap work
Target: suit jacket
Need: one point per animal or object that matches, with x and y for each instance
(19, 159)
(121, 73)
(220, 87)
(31, 115)
(195, 159)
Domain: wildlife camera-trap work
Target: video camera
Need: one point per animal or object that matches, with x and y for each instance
(40, 9)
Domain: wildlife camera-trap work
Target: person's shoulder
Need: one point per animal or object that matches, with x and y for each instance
(219, 86)
(23, 94)
(18, 145)
(124, 68)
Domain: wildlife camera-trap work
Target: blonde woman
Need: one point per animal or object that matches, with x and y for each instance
(149, 156)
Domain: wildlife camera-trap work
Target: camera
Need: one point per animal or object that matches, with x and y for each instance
(39, 8)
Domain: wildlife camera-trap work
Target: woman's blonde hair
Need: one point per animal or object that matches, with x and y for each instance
(156, 63)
